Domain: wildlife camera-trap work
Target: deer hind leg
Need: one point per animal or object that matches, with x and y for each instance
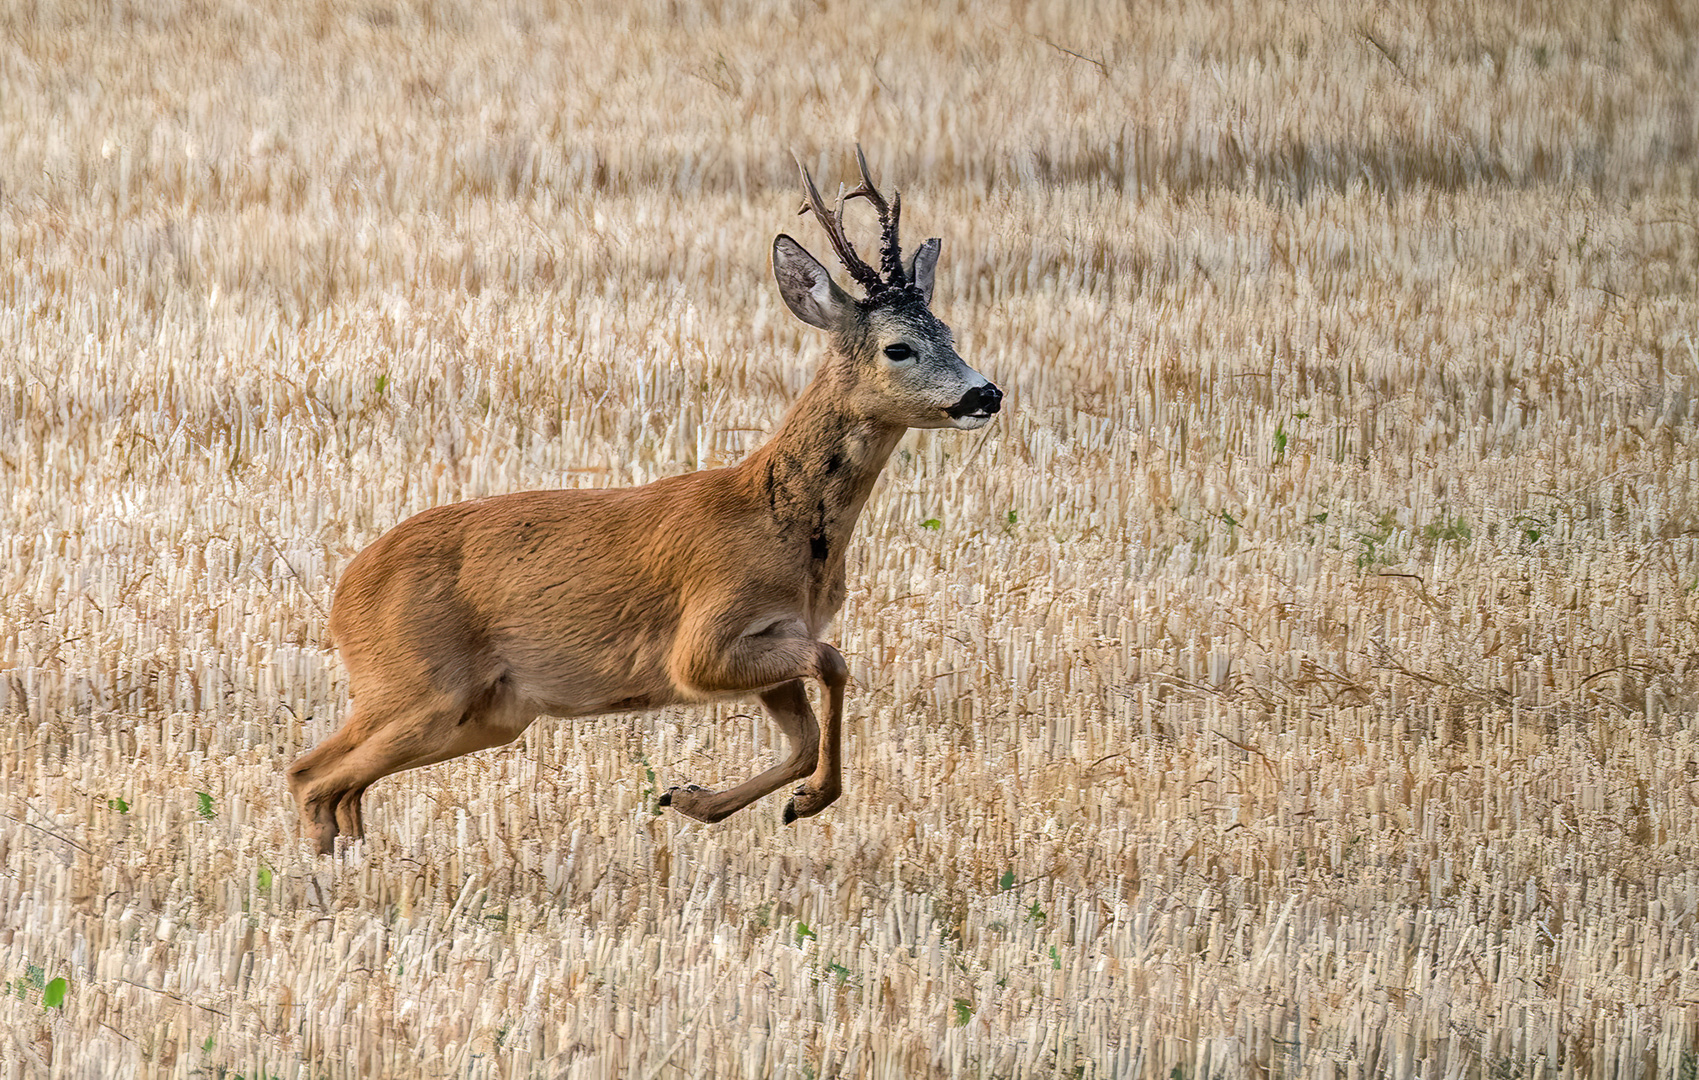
(329, 781)
(320, 780)
(350, 820)
(787, 704)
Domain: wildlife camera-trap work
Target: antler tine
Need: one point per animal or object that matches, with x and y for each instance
(890, 248)
(890, 214)
(867, 190)
(833, 224)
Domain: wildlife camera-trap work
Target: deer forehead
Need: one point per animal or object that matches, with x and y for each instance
(910, 323)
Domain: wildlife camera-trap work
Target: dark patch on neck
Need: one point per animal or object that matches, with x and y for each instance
(818, 545)
(834, 463)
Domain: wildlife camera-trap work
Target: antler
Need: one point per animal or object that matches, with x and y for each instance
(832, 221)
(890, 250)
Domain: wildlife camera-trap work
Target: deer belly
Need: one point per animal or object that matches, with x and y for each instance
(623, 677)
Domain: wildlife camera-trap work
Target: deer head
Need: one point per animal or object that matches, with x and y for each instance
(895, 361)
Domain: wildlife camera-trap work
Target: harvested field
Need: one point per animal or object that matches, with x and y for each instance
(1299, 679)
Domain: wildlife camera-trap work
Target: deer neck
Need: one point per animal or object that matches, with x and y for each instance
(818, 469)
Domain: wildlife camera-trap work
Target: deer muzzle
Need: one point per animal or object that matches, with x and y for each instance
(979, 403)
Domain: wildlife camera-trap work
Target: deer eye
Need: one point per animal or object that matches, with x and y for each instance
(899, 352)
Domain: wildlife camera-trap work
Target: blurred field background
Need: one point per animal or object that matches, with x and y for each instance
(1298, 680)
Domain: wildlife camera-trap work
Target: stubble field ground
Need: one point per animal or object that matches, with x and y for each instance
(1299, 678)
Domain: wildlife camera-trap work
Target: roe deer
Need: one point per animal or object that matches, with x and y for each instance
(466, 622)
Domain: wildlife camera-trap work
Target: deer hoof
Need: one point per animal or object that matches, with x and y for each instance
(684, 798)
(806, 802)
(666, 798)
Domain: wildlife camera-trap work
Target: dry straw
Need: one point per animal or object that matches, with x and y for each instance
(1297, 679)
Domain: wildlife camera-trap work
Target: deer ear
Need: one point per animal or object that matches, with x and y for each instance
(808, 289)
(922, 265)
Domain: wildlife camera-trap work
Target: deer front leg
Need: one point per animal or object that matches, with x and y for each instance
(763, 660)
(787, 704)
(823, 787)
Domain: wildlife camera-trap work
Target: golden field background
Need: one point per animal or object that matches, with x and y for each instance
(1298, 679)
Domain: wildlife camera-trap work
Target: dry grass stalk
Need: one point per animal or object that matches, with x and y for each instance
(1310, 648)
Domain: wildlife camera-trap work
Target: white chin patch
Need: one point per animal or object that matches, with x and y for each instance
(972, 421)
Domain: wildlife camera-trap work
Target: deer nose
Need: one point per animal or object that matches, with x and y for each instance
(979, 401)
